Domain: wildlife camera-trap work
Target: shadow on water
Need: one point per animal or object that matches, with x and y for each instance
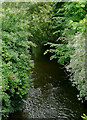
(52, 95)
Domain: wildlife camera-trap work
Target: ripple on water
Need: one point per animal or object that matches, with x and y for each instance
(52, 95)
(47, 104)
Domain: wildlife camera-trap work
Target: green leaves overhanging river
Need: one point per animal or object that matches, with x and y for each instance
(60, 27)
(52, 95)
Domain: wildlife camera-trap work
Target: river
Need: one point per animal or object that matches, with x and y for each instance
(52, 95)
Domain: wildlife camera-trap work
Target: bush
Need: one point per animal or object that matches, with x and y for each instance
(77, 63)
(78, 59)
(69, 47)
(16, 70)
(39, 18)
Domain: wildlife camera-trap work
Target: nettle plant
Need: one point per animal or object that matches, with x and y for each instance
(16, 67)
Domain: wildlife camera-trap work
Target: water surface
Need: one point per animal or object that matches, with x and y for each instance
(52, 95)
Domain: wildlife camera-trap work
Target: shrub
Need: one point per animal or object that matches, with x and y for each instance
(69, 47)
(16, 68)
(77, 63)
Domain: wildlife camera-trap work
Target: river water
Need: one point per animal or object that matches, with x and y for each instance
(52, 95)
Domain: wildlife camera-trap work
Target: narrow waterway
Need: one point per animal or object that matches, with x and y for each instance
(52, 95)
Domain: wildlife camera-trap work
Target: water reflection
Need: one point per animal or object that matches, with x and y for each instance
(52, 96)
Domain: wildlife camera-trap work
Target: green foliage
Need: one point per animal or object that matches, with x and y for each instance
(69, 29)
(16, 71)
(39, 19)
(58, 48)
(84, 117)
(59, 51)
(77, 62)
(68, 19)
(60, 25)
(22, 23)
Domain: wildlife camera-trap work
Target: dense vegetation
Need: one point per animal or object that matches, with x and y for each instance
(19, 29)
(60, 26)
(69, 49)
(16, 70)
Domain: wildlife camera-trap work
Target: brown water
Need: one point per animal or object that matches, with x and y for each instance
(52, 95)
